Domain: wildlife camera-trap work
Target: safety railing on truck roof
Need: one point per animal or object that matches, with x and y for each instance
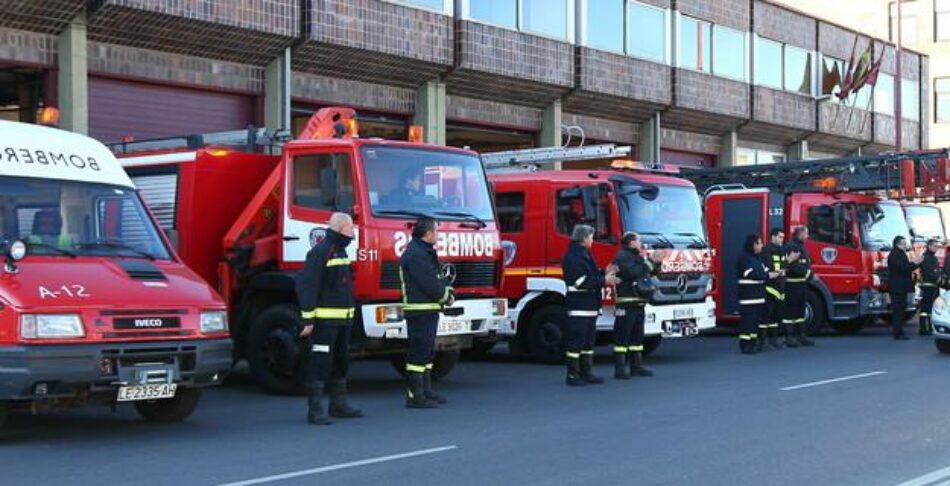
(251, 139)
(530, 159)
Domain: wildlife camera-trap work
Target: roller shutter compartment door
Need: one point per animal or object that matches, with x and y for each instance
(119, 108)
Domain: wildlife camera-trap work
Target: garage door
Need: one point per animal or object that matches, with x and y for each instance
(119, 108)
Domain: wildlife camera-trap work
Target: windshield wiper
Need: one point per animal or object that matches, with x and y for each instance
(404, 212)
(115, 246)
(33, 244)
(469, 216)
(698, 242)
(659, 236)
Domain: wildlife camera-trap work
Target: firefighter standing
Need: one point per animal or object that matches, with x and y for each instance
(424, 295)
(752, 276)
(774, 258)
(900, 282)
(632, 269)
(325, 293)
(584, 282)
(930, 281)
(797, 275)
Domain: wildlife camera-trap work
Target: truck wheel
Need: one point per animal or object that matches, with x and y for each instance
(442, 363)
(169, 410)
(852, 326)
(273, 350)
(815, 314)
(479, 349)
(650, 343)
(547, 332)
(943, 345)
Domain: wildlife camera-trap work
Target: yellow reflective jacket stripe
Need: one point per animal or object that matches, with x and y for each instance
(333, 313)
(337, 262)
(778, 295)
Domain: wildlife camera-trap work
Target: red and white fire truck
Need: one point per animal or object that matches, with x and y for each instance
(851, 221)
(244, 218)
(537, 211)
(95, 306)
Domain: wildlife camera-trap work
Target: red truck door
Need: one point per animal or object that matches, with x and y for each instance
(833, 245)
(590, 204)
(730, 217)
(523, 220)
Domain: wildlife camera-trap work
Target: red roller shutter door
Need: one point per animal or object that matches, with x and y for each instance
(119, 108)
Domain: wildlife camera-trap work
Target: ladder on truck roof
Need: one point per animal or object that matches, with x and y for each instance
(914, 174)
(251, 139)
(529, 159)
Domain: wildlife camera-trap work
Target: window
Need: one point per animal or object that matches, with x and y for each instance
(768, 63)
(588, 205)
(695, 44)
(729, 52)
(910, 97)
(884, 94)
(323, 182)
(646, 32)
(510, 206)
(437, 5)
(605, 24)
(747, 156)
(797, 70)
(942, 20)
(942, 95)
(831, 224)
(908, 22)
(498, 12)
(546, 17)
(159, 191)
(880, 223)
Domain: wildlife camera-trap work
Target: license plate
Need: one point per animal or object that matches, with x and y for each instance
(146, 392)
(686, 313)
(453, 327)
(683, 328)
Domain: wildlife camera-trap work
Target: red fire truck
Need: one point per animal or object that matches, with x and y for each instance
(244, 218)
(851, 224)
(537, 211)
(95, 306)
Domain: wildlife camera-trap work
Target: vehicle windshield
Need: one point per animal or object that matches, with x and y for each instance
(880, 223)
(407, 181)
(925, 222)
(67, 218)
(674, 216)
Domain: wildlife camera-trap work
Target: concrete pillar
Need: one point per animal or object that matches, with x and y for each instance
(430, 112)
(648, 147)
(797, 151)
(551, 122)
(277, 92)
(72, 73)
(727, 149)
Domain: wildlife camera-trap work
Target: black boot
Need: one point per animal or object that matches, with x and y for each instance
(427, 389)
(800, 335)
(636, 365)
(925, 327)
(788, 336)
(587, 367)
(620, 365)
(760, 340)
(746, 346)
(773, 337)
(573, 372)
(339, 406)
(316, 408)
(415, 393)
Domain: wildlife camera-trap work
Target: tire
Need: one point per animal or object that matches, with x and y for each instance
(816, 315)
(170, 410)
(546, 334)
(650, 343)
(943, 345)
(273, 350)
(851, 326)
(479, 349)
(442, 363)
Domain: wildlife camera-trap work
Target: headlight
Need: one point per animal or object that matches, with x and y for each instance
(17, 250)
(940, 305)
(388, 314)
(499, 307)
(214, 322)
(51, 326)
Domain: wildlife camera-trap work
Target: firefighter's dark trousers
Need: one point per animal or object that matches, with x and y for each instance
(898, 308)
(628, 329)
(581, 333)
(422, 329)
(772, 314)
(928, 294)
(793, 312)
(329, 350)
(750, 317)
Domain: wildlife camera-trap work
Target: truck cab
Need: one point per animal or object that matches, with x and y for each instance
(95, 305)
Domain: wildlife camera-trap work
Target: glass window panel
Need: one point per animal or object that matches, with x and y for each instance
(498, 12)
(695, 42)
(729, 54)
(942, 91)
(884, 94)
(646, 32)
(908, 22)
(547, 17)
(768, 64)
(797, 70)
(429, 4)
(830, 85)
(942, 27)
(910, 95)
(605, 24)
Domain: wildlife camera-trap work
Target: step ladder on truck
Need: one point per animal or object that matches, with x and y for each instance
(245, 207)
(537, 211)
(852, 209)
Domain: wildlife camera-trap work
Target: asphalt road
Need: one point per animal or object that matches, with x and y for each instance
(710, 416)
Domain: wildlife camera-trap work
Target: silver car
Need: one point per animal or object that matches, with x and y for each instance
(941, 322)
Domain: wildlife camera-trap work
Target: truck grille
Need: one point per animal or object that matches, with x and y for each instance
(468, 275)
(669, 290)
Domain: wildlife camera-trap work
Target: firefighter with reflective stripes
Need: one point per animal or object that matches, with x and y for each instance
(774, 258)
(632, 296)
(797, 275)
(930, 282)
(584, 282)
(424, 295)
(325, 294)
(752, 276)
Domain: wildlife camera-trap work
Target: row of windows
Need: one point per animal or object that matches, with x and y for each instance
(910, 12)
(942, 95)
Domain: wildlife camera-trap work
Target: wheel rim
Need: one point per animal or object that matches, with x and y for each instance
(280, 350)
(809, 316)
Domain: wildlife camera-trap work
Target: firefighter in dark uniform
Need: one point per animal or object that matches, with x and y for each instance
(773, 256)
(424, 295)
(325, 294)
(797, 275)
(752, 275)
(632, 269)
(900, 282)
(584, 282)
(930, 282)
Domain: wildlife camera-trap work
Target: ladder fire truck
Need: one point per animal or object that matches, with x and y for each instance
(851, 208)
(537, 211)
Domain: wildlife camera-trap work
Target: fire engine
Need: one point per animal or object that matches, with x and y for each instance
(537, 212)
(851, 209)
(95, 306)
(244, 217)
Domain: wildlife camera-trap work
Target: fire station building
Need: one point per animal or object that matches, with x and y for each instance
(711, 82)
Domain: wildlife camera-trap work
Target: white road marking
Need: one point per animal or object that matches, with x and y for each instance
(833, 380)
(337, 467)
(940, 477)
